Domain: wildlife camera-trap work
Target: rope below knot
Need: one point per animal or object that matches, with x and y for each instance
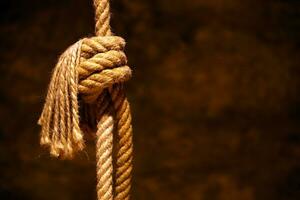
(86, 88)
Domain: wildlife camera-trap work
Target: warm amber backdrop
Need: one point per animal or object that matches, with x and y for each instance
(215, 98)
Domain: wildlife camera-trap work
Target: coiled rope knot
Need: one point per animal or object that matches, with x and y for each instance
(102, 64)
(86, 68)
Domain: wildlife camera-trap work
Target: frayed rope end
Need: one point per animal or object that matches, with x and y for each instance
(60, 117)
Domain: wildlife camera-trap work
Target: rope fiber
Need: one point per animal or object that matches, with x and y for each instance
(86, 90)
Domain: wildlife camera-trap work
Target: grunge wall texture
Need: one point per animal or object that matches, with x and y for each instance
(215, 98)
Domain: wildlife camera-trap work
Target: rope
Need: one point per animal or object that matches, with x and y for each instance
(90, 74)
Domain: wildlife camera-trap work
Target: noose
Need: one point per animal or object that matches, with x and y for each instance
(92, 70)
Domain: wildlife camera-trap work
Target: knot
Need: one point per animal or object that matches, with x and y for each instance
(102, 64)
(87, 68)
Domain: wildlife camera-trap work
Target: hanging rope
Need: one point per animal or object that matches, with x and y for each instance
(86, 88)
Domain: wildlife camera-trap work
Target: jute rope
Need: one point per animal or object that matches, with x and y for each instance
(86, 92)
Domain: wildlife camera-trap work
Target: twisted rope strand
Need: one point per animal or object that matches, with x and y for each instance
(102, 15)
(125, 147)
(104, 149)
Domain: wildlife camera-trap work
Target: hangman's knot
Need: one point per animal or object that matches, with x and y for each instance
(86, 68)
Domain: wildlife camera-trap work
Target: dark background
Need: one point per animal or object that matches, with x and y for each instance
(215, 98)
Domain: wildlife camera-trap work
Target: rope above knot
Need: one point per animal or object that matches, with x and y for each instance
(86, 68)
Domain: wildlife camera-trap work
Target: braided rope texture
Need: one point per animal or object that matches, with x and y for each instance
(90, 74)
